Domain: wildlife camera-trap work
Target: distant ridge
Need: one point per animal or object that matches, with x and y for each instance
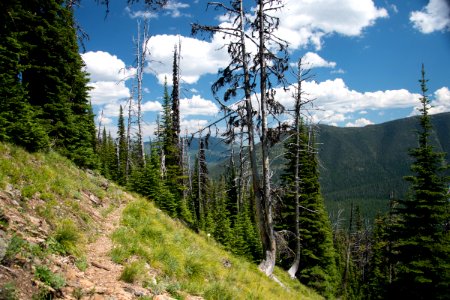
(366, 165)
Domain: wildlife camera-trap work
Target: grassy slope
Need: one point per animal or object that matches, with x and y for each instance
(50, 187)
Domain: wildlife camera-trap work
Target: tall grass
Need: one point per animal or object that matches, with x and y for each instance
(191, 263)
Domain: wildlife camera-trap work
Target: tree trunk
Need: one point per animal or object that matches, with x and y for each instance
(298, 102)
(264, 204)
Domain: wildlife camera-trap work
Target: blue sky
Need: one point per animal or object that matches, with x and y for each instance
(366, 56)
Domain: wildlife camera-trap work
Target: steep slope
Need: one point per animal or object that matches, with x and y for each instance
(362, 165)
(366, 165)
(69, 234)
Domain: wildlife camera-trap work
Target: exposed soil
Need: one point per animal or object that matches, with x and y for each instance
(100, 278)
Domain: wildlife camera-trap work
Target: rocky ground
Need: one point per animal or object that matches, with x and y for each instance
(97, 278)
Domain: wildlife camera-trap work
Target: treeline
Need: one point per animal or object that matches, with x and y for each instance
(44, 100)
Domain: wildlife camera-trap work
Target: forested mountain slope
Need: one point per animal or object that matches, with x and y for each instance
(66, 233)
(366, 165)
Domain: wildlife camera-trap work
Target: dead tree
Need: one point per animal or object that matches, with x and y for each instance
(141, 53)
(302, 75)
(244, 73)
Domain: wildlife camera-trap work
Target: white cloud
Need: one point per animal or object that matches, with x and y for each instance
(192, 125)
(113, 109)
(434, 16)
(197, 106)
(338, 71)
(197, 57)
(102, 66)
(141, 14)
(304, 22)
(441, 101)
(361, 122)
(173, 8)
(151, 106)
(313, 60)
(104, 92)
(335, 101)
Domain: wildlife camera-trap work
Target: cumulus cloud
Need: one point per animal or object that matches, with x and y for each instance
(104, 92)
(103, 66)
(361, 122)
(197, 106)
(335, 101)
(441, 101)
(192, 125)
(197, 57)
(304, 22)
(434, 16)
(313, 60)
(151, 106)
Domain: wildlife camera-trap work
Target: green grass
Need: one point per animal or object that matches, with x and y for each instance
(45, 275)
(182, 261)
(191, 263)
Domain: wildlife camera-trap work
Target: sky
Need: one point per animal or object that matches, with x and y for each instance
(365, 56)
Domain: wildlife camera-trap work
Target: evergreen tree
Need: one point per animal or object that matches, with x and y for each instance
(122, 150)
(218, 216)
(200, 188)
(147, 181)
(381, 262)
(317, 256)
(421, 236)
(47, 86)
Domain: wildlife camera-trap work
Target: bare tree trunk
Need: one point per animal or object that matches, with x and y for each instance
(128, 165)
(141, 52)
(264, 204)
(298, 102)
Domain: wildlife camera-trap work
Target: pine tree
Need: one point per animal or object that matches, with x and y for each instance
(44, 71)
(147, 181)
(382, 265)
(122, 150)
(317, 264)
(200, 188)
(422, 237)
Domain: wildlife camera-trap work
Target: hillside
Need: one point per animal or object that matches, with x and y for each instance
(70, 234)
(363, 165)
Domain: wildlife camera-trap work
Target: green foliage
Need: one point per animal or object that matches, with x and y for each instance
(188, 262)
(421, 237)
(45, 275)
(147, 181)
(122, 150)
(66, 238)
(8, 291)
(132, 271)
(317, 257)
(16, 245)
(44, 100)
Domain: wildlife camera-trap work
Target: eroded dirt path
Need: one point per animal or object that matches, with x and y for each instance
(100, 280)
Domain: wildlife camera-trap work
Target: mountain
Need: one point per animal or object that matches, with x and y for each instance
(365, 165)
(67, 233)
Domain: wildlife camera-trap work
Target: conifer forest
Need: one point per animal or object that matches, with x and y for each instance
(402, 252)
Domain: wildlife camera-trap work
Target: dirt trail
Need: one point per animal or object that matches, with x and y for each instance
(100, 280)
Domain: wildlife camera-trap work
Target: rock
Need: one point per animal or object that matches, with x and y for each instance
(226, 263)
(3, 247)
